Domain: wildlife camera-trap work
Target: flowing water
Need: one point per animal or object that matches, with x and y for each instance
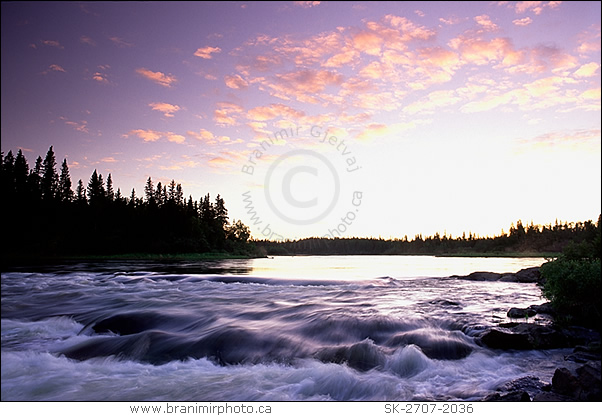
(284, 328)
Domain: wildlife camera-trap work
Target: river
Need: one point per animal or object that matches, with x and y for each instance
(283, 328)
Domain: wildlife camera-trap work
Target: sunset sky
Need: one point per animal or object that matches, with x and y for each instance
(440, 116)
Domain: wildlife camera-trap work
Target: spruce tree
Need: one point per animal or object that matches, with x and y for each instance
(65, 192)
(21, 171)
(149, 192)
(110, 192)
(35, 179)
(96, 191)
(50, 178)
(80, 192)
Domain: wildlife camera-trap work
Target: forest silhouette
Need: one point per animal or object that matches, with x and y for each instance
(45, 217)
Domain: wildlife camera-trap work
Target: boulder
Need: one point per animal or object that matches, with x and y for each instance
(515, 312)
(583, 384)
(527, 275)
(565, 383)
(542, 336)
(505, 340)
(524, 336)
(481, 276)
(545, 308)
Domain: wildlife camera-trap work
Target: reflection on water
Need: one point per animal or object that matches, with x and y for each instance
(340, 267)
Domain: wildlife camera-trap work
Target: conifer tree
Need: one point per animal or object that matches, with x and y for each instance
(80, 192)
(50, 178)
(65, 193)
(110, 192)
(96, 191)
(21, 171)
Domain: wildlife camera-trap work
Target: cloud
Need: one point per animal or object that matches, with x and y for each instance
(109, 160)
(175, 138)
(208, 137)
(52, 43)
(206, 52)
(589, 40)
(577, 140)
(587, 70)
(304, 85)
(220, 162)
(81, 126)
(87, 40)
(227, 113)
(274, 111)
(235, 82)
(377, 101)
(525, 21)
(146, 135)
(180, 165)
(56, 68)
(368, 42)
(485, 22)
(100, 75)
(153, 135)
(306, 4)
(120, 42)
(593, 94)
(433, 101)
(160, 78)
(375, 130)
(168, 110)
(450, 20)
(536, 7)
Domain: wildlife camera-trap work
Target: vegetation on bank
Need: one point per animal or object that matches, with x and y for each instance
(573, 283)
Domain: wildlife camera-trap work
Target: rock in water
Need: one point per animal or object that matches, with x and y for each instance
(498, 339)
(515, 312)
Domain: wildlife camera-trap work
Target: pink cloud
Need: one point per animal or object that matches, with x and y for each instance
(153, 135)
(56, 68)
(485, 22)
(307, 4)
(160, 78)
(206, 52)
(536, 7)
(146, 135)
(227, 113)
(168, 110)
(235, 82)
(525, 21)
(273, 111)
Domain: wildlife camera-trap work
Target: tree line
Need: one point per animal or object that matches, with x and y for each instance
(44, 216)
(581, 237)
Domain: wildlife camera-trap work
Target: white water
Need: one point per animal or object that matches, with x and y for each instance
(288, 328)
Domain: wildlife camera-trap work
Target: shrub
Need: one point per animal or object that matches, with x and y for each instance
(573, 287)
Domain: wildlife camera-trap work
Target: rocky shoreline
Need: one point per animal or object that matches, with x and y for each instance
(579, 380)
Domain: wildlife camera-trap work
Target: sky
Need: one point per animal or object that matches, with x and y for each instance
(367, 119)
